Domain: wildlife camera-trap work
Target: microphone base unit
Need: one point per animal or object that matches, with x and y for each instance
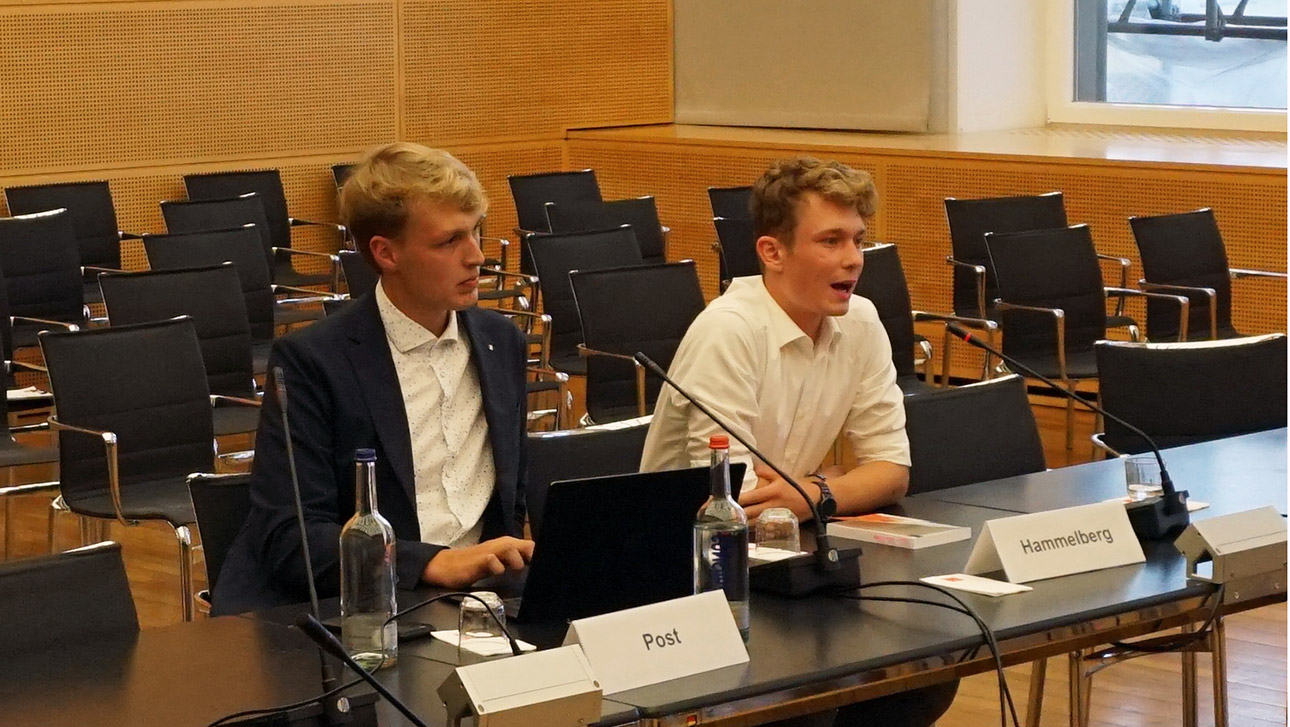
(361, 713)
(801, 576)
(1152, 520)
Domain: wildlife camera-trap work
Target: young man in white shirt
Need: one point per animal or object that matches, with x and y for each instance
(792, 360)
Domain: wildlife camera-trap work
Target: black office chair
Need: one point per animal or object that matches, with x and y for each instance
(641, 213)
(531, 192)
(42, 274)
(93, 220)
(360, 278)
(736, 248)
(66, 599)
(731, 202)
(1181, 393)
(240, 246)
(553, 256)
(882, 281)
(1184, 254)
(133, 422)
(221, 503)
(212, 297)
(15, 454)
(975, 433)
(1052, 303)
(267, 183)
(623, 310)
(575, 454)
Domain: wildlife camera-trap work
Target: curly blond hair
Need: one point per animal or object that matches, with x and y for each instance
(776, 195)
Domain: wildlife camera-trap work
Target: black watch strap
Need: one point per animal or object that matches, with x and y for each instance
(827, 506)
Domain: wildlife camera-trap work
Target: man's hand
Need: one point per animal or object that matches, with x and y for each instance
(773, 491)
(460, 567)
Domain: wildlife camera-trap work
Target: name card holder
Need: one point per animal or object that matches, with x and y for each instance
(554, 688)
(646, 645)
(1056, 543)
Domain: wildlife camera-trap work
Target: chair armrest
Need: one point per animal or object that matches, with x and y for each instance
(1124, 264)
(551, 374)
(298, 222)
(280, 288)
(217, 399)
(109, 440)
(981, 324)
(979, 272)
(503, 243)
(1054, 312)
(95, 269)
(1209, 293)
(44, 322)
(1059, 322)
(640, 372)
(1238, 273)
(11, 365)
(1184, 303)
(589, 352)
(34, 488)
(123, 235)
(331, 257)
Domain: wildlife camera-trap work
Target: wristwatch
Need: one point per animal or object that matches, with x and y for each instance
(827, 506)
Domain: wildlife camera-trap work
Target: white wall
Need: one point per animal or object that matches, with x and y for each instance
(995, 65)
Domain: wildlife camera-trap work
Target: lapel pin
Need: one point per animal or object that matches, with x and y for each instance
(490, 347)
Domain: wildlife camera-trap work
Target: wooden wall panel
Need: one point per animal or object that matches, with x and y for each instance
(1251, 209)
(110, 86)
(494, 69)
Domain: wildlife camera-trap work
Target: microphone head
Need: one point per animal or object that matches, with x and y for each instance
(645, 361)
(958, 331)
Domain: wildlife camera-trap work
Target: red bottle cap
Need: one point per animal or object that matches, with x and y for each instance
(718, 441)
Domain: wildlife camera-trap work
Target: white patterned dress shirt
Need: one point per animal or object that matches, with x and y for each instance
(452, 458)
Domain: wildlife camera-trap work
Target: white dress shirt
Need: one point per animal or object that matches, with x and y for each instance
(745, 359)
(452, 458)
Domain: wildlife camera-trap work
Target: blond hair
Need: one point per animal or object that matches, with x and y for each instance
(776, 195)
(389, 179)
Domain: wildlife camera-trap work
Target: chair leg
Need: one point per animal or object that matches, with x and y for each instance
(1070, 423)
(1188, 684)
(184, 536)
(1035, 704)
(8, 527)
(1218, 651)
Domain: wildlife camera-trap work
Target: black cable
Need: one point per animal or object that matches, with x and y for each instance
(1165, 647)
(284, 708)
(1006, 705)
(515, 646)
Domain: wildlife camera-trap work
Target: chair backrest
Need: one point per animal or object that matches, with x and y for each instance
(641, 213)
(738, 247)
(970, 219)
(147, 384)
(65, 599)
(882, 281)
(93, 215)
(553, 256)
(531, 192)
(212, 296)
(221, 503)
(624, 310)
(1184, 249)
(267, 183)
(1055, 268)
(240, 246)
(334, 305)
(1180, 393)
(360, 278)
(576, 454)
(42, 266)
(730, 202)
(973, 433)
(220, 214)
(340, 173)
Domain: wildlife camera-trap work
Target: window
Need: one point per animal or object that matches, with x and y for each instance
(1197, 63)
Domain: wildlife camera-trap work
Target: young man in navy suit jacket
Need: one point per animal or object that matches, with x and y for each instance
(414, 370)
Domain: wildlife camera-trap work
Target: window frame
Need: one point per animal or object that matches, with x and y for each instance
(1062, 108)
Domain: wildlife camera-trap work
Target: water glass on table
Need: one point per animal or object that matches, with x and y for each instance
(1142, 476)
(473, 619)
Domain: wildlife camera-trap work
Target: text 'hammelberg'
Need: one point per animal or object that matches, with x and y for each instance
(1077, 537)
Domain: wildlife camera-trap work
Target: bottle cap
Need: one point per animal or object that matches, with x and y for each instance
(365, 455)
(718, 441)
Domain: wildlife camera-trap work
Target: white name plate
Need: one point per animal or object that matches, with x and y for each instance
(651, 644)
(1056, 543)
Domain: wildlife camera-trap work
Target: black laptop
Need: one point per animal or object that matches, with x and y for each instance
(609, 543)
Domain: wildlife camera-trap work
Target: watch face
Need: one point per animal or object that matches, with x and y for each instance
(828, 507)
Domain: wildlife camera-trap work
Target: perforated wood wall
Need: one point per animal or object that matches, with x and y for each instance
(1250, 205)
(140, 93)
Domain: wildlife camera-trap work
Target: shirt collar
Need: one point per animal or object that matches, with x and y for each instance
(783, 330)
(406, 334)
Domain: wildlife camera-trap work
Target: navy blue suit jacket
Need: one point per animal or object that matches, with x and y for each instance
(344, 395)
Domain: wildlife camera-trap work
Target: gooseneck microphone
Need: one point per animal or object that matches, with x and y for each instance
(827, 561)
(1153, 518)
(319, 634)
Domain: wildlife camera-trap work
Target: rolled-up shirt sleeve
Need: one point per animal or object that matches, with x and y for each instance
(875, 425)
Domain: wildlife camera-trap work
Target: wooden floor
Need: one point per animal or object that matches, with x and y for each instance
(1143, 692)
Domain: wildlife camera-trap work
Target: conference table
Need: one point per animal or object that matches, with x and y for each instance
(806, 654)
